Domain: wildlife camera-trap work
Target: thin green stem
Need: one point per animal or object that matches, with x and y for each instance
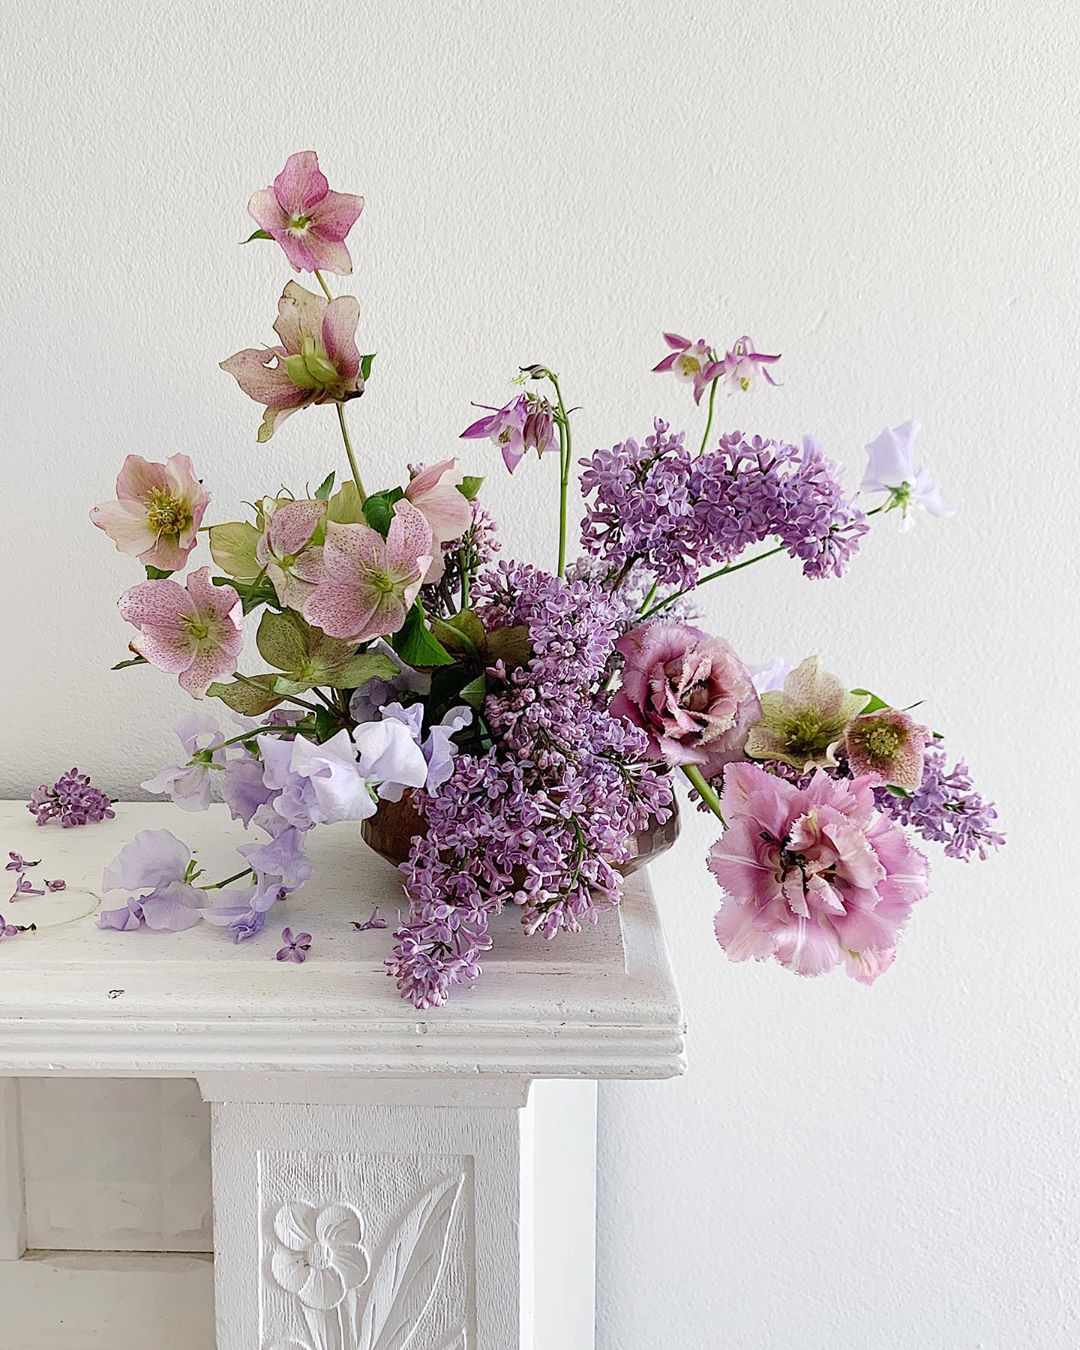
(463, 567)
(349, 451)
(705, 792)
(288, 698)
(237, 876)
(708, 420)
(250, 735)
(565, 461)
(322, 283)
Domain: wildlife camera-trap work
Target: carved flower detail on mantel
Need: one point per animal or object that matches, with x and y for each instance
(319, 1255)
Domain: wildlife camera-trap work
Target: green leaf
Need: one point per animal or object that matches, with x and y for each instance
(874, 704)
(510, 645)
(378, 509)
(252, 593)
(233, 548)
(475, 692)
(282, 641)
(462, 634)
(365, 365)
(256, 234)
(288, 688)
(415, 644)
(323, 491)
(241, 697)
(469, 487)
(326, 725)
(133, 661)
(157, 573)
(897, 791)
(356, 672)
(344, 506)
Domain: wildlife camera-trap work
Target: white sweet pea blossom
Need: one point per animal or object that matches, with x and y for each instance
(891, 469)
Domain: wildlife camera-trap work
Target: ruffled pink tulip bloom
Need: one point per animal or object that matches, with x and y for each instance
(192, 631)
(691, 362)
(689, 692)
(157, 512)
(369, 582)
(308, 220)
(317, 362)
(814, 876)
(292, 562)
(434, 493)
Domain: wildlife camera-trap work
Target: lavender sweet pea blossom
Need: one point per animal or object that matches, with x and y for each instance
(438, 748)
(158, 862)
(188, 784)
(891, 469)
(366, 701)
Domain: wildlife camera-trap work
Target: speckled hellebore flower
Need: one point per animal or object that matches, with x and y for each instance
(157, 512)
(317, 362)
(192, 631)
(285, 550)
(888, 744)
(803, 723)
(369, 582)
(433, 490)
(891, 468)
(308, 220)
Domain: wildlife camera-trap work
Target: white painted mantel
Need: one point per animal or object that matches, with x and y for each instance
(384, 1179)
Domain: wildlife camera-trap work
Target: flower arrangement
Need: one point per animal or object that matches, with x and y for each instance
(534, 723)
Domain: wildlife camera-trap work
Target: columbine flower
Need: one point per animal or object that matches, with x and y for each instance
(742, 364)
(891, 469)
(295, 948)
(369, 582)
(814, 875)
(188, 784)
(158, 862)
(688, 692)
(285, 550)
(72, 799)
(433, 490)
(317, 362)
(192, 631)
(157, 512)
(691, 362)
(505, 426)
(803, 724)
(308, 220)
(889, 744)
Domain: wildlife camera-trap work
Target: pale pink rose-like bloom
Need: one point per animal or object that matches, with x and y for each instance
(434, 492)
(308, 220)
(369, 582)
(689, 692)
(192, 631)
(814, 876)
(285, 550)
(157, 512)
(317, 361)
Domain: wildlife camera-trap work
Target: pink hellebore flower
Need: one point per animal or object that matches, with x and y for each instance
(888, 744)
(742, 363)
(369, 582)
(285, 550)
(814, 876)
(157, 512)
(505, 426)
(317, 362)
(308, 220)
(434, 493)
(193, 632)
(891, 468)
(689, 692)
(691, 362)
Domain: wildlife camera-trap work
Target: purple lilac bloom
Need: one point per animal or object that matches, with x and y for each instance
(8, 930)
(677, 514)
(947, 809)
(58, 885)
(475, 549)
(72, 799)
(376, 921)
(542, 818)
(295, 948)
(24, 887)
(18, 863)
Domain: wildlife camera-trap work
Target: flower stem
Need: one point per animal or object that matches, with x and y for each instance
(708, 420)
(705, 792)
(565, 461)
(463, 567)
(250, 735)
(349, 451)
(322, 283)
(288, 698)
(217, 885)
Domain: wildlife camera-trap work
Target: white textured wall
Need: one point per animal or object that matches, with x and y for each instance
(888, 195)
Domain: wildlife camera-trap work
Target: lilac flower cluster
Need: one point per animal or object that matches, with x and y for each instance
(657, 504)
(475, 549)
(72, 799)
(947, 809)
(544, 817)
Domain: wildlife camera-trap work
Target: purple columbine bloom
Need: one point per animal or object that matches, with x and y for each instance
(505, 426)
(295, 948)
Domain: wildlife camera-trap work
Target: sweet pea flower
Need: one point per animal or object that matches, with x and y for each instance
(505, 426)
(771, 676)
(317, 361)
(891, 469)
(366, 701)
(191, 631)
(438, 748)
(690, 362)
(814, 876)
(157, 861)
(689, 692)
(188, 784)
(243, 789)
(308, 220)
(433, 490)
(369, 582)
(157, 512)
(285, 550)
(804, 723)
(888, 744)
(742, 364)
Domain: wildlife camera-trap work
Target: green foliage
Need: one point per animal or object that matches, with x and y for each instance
(873, 704)
(132, 661)
(256, 234)
(366, 362)
(474, 692)
(470, 486)
(415, 643)
(252, 593)
(232, 547)
(243, 697)
(379, 509)
(307, 657)
(157, 573)
(323, 491)
(344, 506)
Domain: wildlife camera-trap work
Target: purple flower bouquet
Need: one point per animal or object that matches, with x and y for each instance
(532, 725)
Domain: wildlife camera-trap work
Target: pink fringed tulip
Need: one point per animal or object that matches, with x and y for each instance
(157, 512)
(193, 631)
(317, 362)
(308, 220)
(691, 362)
(369, 582)
(814, 876)
(292, 562)
(434, 493)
